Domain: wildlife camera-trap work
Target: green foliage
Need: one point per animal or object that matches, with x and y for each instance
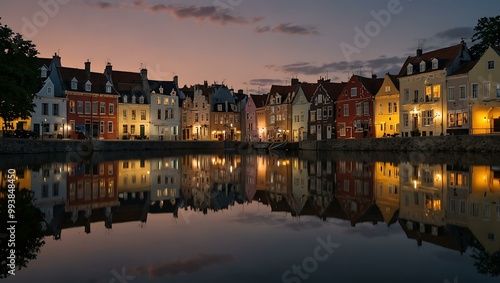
(487, 33)
(20, 75)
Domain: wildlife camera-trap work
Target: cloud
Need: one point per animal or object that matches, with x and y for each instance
(177, 267)
(456, 33)
(137, 4)
(288, 28)
(264, 82)
(382, 64)
(210, 13)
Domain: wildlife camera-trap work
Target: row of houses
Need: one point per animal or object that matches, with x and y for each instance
(441, 92)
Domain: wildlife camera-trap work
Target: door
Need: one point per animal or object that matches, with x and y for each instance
(328, 132)
(496, 125)
(95, 129)
(142, 130)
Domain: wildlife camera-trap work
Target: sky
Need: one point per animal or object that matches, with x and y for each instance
(245, 44)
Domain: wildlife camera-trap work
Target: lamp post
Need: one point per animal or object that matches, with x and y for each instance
(64, 124)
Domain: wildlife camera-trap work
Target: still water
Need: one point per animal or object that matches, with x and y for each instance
(278, 217)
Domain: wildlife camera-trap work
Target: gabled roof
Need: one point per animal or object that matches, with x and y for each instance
(371, 84)
(259, 100)
(282, 91)
(445, 57)
(98, 80)
(124, 77)
(465, 68)
(394, 80)
(334, 90)
(44, 61)
(309, 90)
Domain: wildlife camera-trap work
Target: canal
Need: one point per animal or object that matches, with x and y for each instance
(251, 217)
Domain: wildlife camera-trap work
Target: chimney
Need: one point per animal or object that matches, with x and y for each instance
(295, 81)
(419, 52)
(176, 81)
(374, 76)
(205, 83)
(108, 72)
(57, 60)
(87, 69)
(240, 91)
(144, 79)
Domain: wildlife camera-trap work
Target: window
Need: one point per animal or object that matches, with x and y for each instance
(463, 92)
(498, 90)
(474, 210)
(405, 120)
(87, 107)
(346, 110)
(459, 119)
(94, 107)
(354, 91)
(143, 115)
(111, 109)
(312, 129)
(132, 129)
(43, 72)
(395, 105)
(133, 114)
(125, 129)
(158, 100)
(409, 69)
(451, 93)
(101, 127)
(159, 115)
(422, 66)
(486, 89)
(428, 93)
(88, 86)
(366, 108)
(173, 101)
(74, 84)
(72, 106)
(389, 107)
(124, 113)
(219, 107)
(342, 129)
(491, 65)
(313, 116)
(108, 89)
(216, 119)
(406, 95)
(102, 109)
(387, 88)
(330, 112)
(465, 118)
(320, 98)
(451, 120)
(474, 90)
(167, 113)
(359, 109)
(380, 109)
(436, 91)
(45, 109)
(80, 107)
(110, 127)
(49, 90)
(435, 64)
(141, 99)
(427, 117)
(415, 96)
(319, 116)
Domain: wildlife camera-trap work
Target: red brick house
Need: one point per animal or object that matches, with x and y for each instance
(355, 107)
(92, 104)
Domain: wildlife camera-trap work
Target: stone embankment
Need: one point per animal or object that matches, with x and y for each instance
(489, 143)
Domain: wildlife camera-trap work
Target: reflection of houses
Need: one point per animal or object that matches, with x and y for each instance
(321, 183)
(49, 188)
(458, 186)
(249, 178)
(355, 189)
(300, 184)
(22, 180)
(387, 190)
(483, 211)
(165, 180)
(134, 175)
(422, 197)
(196, 180)
(91, 186)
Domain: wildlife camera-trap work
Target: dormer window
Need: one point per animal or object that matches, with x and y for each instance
(88, 86)
(108, 87)
(125, 99)
(173, 93)
(422, 66)
(278, 100)
(43, 72)
(141, 99)
(409, 69)
(74, 84)
(435, 64)
(133, 99)
(161, 90)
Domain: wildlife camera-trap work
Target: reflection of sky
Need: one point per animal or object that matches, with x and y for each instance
(245, 243)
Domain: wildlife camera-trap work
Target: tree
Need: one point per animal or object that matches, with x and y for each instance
(487, 33)
(20, 77)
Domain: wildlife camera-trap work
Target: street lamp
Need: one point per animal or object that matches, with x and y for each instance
(64, 124)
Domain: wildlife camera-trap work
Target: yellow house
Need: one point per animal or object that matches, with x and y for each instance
(134, 175)
(484, 207)
(387, 189)
(22, 178)
(484, 93)
(133, 117)
(387, 107)
(17, 124)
